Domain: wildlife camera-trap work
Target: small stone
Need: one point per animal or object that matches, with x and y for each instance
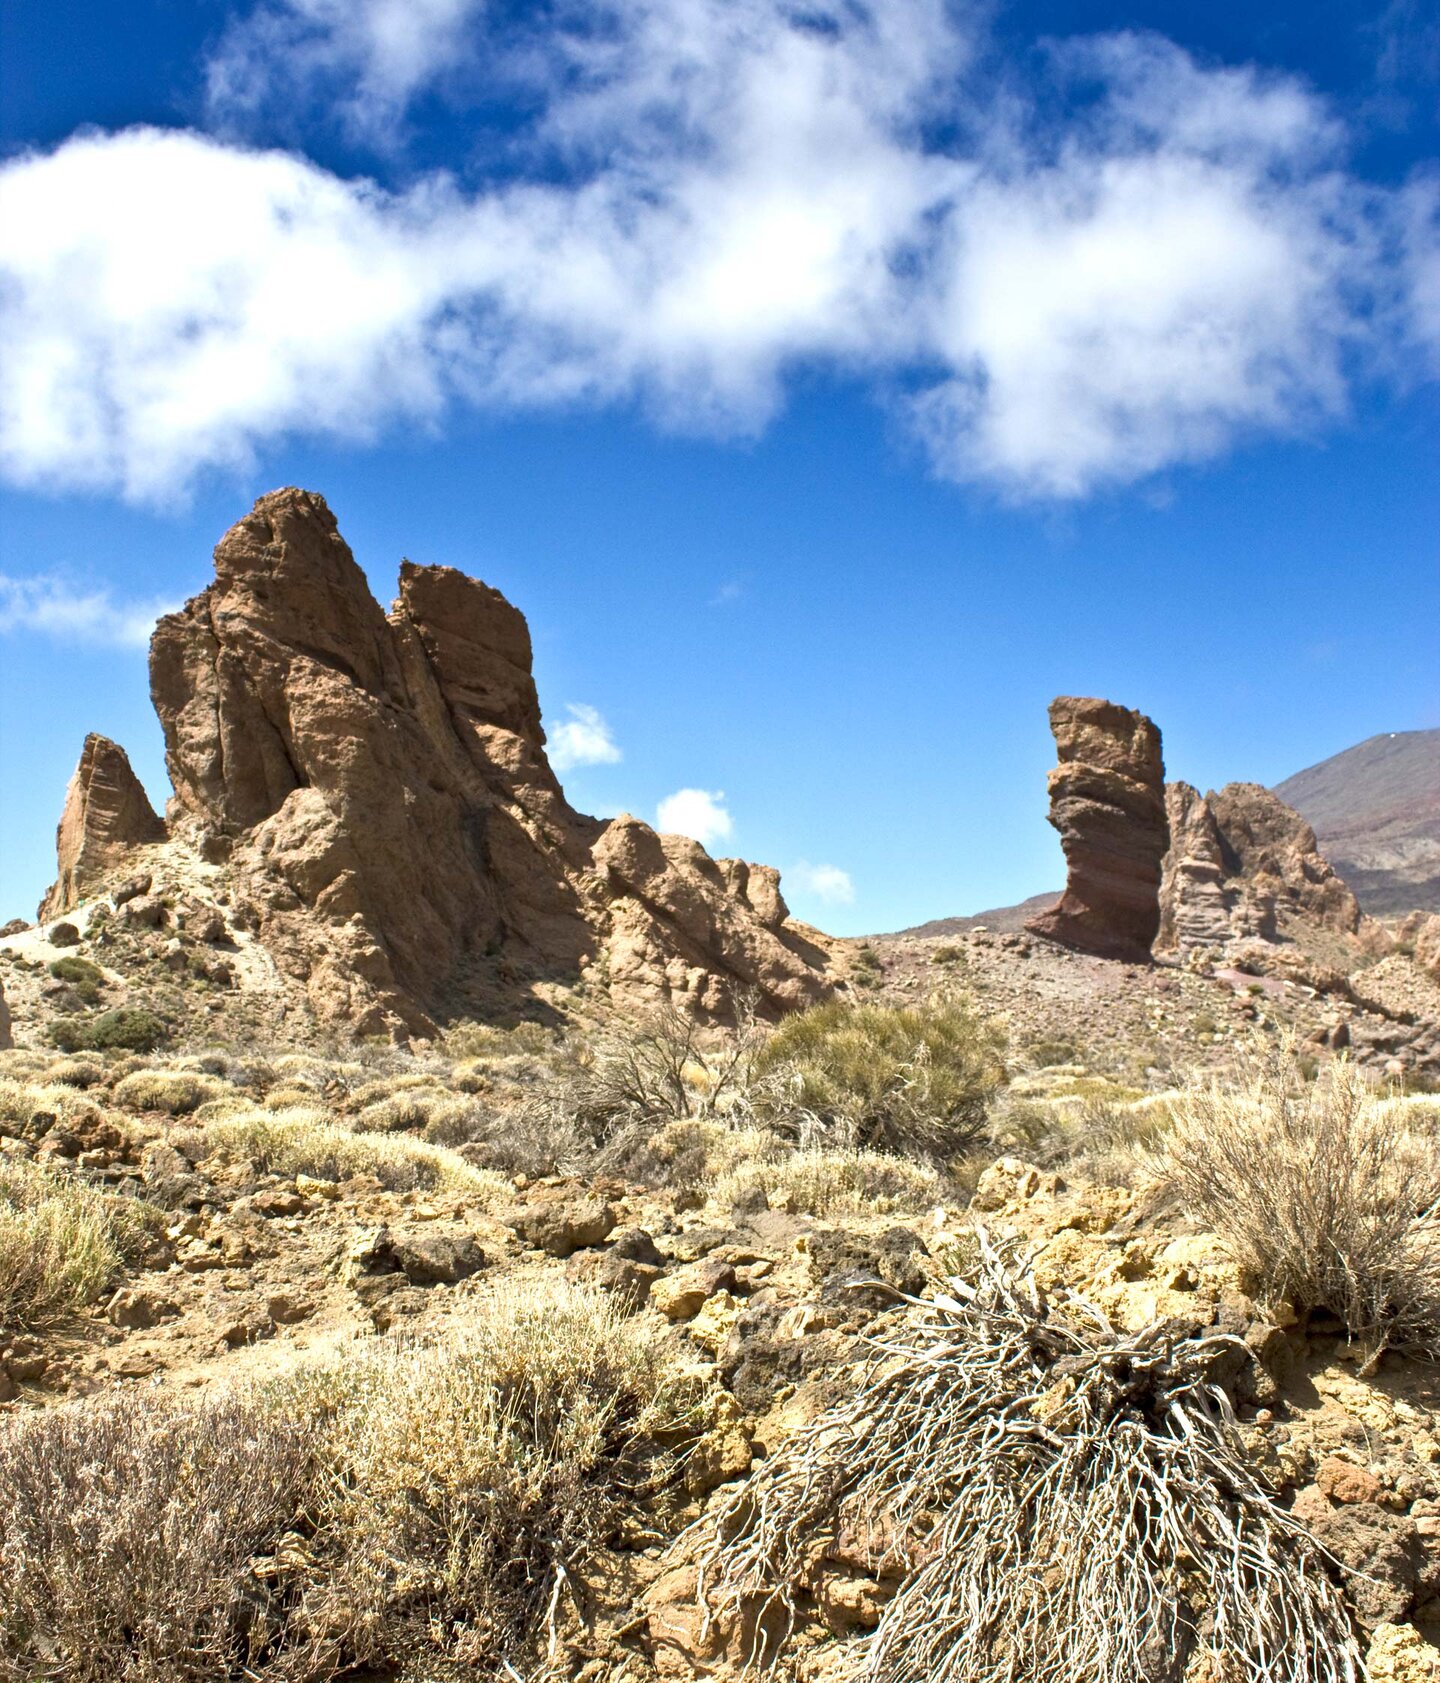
(1343, 1481)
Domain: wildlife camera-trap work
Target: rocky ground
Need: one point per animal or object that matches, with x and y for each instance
(765, 1290)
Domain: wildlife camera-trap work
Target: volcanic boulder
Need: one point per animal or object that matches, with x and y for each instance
(107, 813)
(1107, 800)
(380, 789)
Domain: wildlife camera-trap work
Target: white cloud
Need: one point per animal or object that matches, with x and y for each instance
(369, 57)
(583, 739)
(698, 813)
(827, 883)
(74, 613)
(712, 193)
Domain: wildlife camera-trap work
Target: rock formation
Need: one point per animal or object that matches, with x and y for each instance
(391, 831)
(7, 1039)
(1107, 800)
(107, 813)
(1241, 866)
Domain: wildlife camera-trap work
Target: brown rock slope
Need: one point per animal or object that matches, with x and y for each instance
(377, 790)
(1107, 800)
(107, 813)
(1242, 864)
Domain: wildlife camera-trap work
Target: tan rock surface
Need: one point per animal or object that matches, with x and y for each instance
(1107, 800)
(107, 814)
(377, 793)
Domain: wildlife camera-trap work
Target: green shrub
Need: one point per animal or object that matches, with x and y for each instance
(909, 1079)
(129, 1028)
(85, 978)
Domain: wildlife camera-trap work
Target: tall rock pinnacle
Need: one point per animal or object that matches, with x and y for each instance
(1107, 800)
(107, 813)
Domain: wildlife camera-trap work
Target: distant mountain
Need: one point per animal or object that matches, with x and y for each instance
(1004, 920)
(1375, 809)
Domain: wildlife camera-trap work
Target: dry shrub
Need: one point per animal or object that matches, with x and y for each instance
(174, 1091)
(62, 1243)
(421, 1506)
(307, 1142)
(470, 1479)
(539, 1137)
(830, 1183)
(475, 1041)
(1325, 1194)
(29, 1107)
(84, 1070)
(656, 1068)
(690, 1156)
(127, 1527)
(439, 1116)
(1061, 1502)
(917, 1080)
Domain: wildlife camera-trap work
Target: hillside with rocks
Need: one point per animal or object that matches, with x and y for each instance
(445, 1236)
(1376, 811)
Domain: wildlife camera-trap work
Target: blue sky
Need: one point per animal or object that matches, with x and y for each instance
(829, 387)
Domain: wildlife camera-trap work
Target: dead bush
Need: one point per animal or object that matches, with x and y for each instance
(128, 1529)
(1325, 1194)
(916, 1080)
(1056, 1500)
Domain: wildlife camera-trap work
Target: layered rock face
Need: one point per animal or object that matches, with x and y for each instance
(379, 788)
(1242, 863)
(107, 813)
(1107, 800)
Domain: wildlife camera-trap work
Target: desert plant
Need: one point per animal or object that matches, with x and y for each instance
(910, 1079)
(176, 1092)
(830, 1183)
(470, 1479)
(81, 976)
(1326, 1196)
(129, 1529)
(62, 1243)
(127, 1028)
(1061, 1500)
(306, 1141)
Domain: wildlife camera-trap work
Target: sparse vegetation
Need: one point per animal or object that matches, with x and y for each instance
(128, 1028)
(306, 1141)
(1328, 1196)
(913, 1080)
(1059, 1499)
(420, 1505)
(61, 1242)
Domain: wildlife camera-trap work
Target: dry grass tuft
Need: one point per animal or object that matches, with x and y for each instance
(176, 1092)
(62, 1243)
(1325, 1193)
(1063, 1503)
(831, 1183)
(305, 1141)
